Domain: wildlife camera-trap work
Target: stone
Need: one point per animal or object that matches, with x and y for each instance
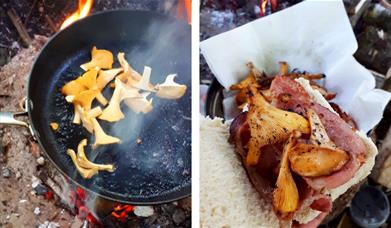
(168, 208)
(41, 160)
(143, 211)
(35, 182)
(6, 173)
(179, 216)
(18, 175)
(37, 211)
(41, 189)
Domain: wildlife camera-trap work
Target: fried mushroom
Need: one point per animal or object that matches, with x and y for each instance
(100, 59)
(170, 89)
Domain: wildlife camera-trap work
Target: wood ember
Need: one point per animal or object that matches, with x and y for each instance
(17, 197)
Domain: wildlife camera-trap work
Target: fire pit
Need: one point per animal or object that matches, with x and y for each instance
(52, 199)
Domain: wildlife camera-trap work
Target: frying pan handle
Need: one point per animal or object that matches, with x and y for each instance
(9, 118)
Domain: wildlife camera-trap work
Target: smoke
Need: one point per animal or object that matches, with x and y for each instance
(154, 155)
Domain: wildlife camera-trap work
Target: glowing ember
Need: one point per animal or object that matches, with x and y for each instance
(82, 11)
(121, 211)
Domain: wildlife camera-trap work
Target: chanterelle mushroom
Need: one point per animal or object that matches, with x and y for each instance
(105, 76)
(85, 163)
(72, 88)
(101, 138)
(86, 168)
(130, 76)
(85, 173)
(286, 195)
(82, 115)
(319, 158)
(113, 111)
(144, 82)
(100, 58)
(266, 120)
(140, 104)
(170, 89)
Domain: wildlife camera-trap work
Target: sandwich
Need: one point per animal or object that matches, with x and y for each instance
(289, 154)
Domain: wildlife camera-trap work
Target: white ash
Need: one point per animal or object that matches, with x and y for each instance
(41, 160)
(143, 211)
(37, 211)
(18, 175)
(22, 201)
(35, 182)
(48, 224)
(220, 18)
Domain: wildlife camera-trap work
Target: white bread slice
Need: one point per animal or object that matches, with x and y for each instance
(227, 198)
(308, 214)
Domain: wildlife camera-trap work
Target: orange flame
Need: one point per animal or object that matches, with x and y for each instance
(263, 7)
(184, 10)
(82, 12)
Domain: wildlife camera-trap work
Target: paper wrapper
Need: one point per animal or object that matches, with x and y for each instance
(314, 36)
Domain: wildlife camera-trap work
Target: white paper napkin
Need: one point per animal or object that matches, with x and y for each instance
(315, 36)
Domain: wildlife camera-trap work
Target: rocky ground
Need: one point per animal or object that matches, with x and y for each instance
(20, 159)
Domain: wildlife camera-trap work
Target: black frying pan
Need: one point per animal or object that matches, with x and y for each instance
(159, 169)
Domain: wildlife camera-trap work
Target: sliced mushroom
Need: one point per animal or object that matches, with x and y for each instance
(313, 161)
(54, 126)
(286, 194)
(319, 158)
(140, 104)
(269, 125)
(318, 132)
(144, 82)
(95, 112)
(125, 65)
(113, 111)
(170, 89)
(87, 124)
(88, 79)
(130, 76)
(85, 163)
(101, 138)
(76, 116)
(100, 58)
(85, 98)
(101, 99)
(105, 76)
(85, 173)
(72, 88)
(128, 70)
